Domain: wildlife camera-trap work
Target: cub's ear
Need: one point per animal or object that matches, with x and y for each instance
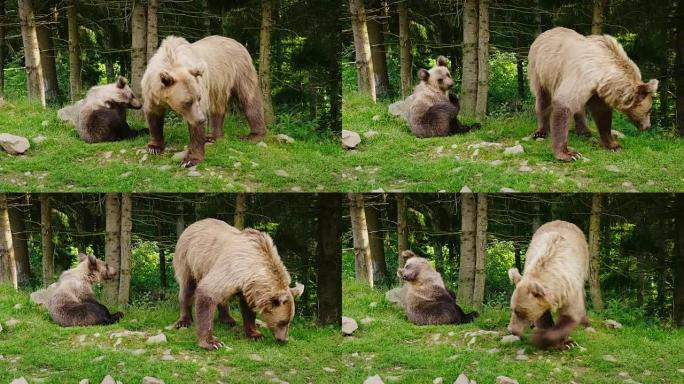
(536, 289)
(196, 72)
(648, 88)
(297, 290)
(423, 74)
(514, 275)
(122, 82)
(441, 61)
(166, 78)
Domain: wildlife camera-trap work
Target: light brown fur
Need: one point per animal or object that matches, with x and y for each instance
(568, 72)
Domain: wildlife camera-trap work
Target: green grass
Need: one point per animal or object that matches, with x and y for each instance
(41, 351)
(401, 352)
(395, 160)
(62, 162)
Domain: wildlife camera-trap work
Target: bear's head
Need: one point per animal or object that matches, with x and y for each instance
(96, 270)
(528, 303)
(279, 311)
(437, 78)
(415, 269)
(639, 110)
(123, 96)
(181, 90)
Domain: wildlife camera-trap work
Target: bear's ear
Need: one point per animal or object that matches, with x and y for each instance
(297, 290)
(536, 289)
(196, 72)
(82, 257)
(514, 275)
(406, 254)
(122, 82)
(92, 260)
(648, 88)
(423, 74)
(441, 61)
(166, 78)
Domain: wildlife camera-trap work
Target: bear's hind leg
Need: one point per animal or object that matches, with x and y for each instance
(581, 128)
(559, 130)
(224, 315)
(187, 291)
(543, 110)
(249, 320)
(253, 108)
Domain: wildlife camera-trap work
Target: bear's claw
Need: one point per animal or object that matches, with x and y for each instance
(183, 324)
(539, 134)
(189, 163)
(212, 344)
(154, 149)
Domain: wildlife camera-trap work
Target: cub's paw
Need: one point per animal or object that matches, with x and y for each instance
(211, 344)
(155, 149)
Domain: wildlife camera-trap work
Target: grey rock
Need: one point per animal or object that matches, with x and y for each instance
(39, 139)
(12, 323)
(505, 380)
(284, 139)
(281, 173)
(369, 134)
(350, 139)
(465, 189)
(151, 380)
(510, 339)
(514, 150)
(507, 190)
(617, 134)
(157, 339)
(14, 145)
(373, 380)
(262, 144)
(438, 380)
(84, 381)
(612, 168)
(108, 380)
(612, 324)
(20, 380)
(349, 325)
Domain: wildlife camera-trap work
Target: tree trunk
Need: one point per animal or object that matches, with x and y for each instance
(405, 49)
(466, 271)
(678, 267)
(363, 265)
(34, 70)
(74, 52)
(597, 17)
(328, 260)
(377, 45)
(594, 252)
(112, 244)
(517, 256)
(240, 211)
(470, 57)
(152, 28)
(125, 245)
(2, 48)
(679, 63)
(520, 70)
(267, 7)
(8, 264)
(180, 220)
(402, 227)
(48, 62)
(20, 242)
(482, 59)
(364, 63)
(377, 246)
(480, 251)
(46, 239)
(138, 45)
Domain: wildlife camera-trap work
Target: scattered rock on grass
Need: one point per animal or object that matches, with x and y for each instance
(11, 323)
(193, 172)
(138, 352)
(369, 134)
(152, 380)
(610, 358)
(166, 355)
(463, 379)
(590, 329)
(14, 145)
(284, 139)
(367, 320)
(157, 339)
(492, 351)
(350, 140)
(514, 150)
(262, 144)
(329, 370)
(281, 173)
(507, 190)
(465, 189)
(125, 333)
(375, 118)
(0, 327)
(255, 357)
(505, 380)
(510, 339)
(39, 139)
(612, 168)
(438, 380)
(349, 325)
(613, 324)
(20, 380)
(84, 381)
(681, 370)
(373, 380)
(108, 380)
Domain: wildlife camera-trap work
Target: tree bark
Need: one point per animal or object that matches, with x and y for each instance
(328, 260)
(33, 67)
(470, 57)
(480, 251)
(597, 17)
(267, 7)
(8, 264)
(240, 211)
(74, 51)
(364, 63)
(405, 49)
(152, 28)
(112, 244)
(466, 271)
(402, 227)
(594, 252)
(678, 267)
(20, 241)
(2, 48)
(377, 45)
(679, 64)
(47, 61)
(46, 239)
(125, 246)
(138, 45)
(482, 59)
(377, 246)
(363, 265)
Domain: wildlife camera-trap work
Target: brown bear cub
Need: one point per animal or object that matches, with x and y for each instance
(556, 267)
(433, 109)
(427, 299)
(568, 72)
(198, 81)
(72, 302)
(101, 116)
(215, 262)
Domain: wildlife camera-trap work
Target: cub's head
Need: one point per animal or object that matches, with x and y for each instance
(415, 269)
(279, 311)
(437, 78)
(97, 270)
(181, 90)
(123, 96)
(642, 103)
(528, 303)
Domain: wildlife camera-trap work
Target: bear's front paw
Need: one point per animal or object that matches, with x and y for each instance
(539, 134)
(255, 335)
(211, 344)
(253, 136)
(155, 149)
(568, 155)
(183, 323)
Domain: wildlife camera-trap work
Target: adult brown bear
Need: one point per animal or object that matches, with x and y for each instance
(198, 81)
(568, 71)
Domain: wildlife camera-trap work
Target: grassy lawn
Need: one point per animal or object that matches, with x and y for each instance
(400, 352)
(393, 159)
(62, 162)
(41, 351)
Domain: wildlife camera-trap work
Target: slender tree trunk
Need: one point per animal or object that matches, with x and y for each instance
(328, 260)
(466, 272)
(536, 219)
(20, 242)
(364, 63)
(112, 244)
(46, 239)
(362, 256)
(240, 211)
(679, 64)
(517, 256)
(480, 251)
(482, 59)
(538, 17)
(678, 267)
(34, 70)
(267, 7)
(152, 28)
(597, 17)
(2, 48)
(180, 220)
(402, 226)
(125, 241)
(377, 45)
(377, 246)
(8, 264)
(594, 252)
(47, 61)
(470, 57)
(405, 49)
(74, 51)
(138, 45)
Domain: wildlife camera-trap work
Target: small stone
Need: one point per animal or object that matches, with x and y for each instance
(465, 189)
(108, 380)
(138, 352)
(14, 145)
(613, 324)
(510, 339)
(623, 374)
(255, 357)
(350, 140)
(439, 150)
(507, 190)
(143, 158)
(612, 168)
(0, 327)
(375, 118)
(349, 325)
(610, 358)
(296, 189)
(125, 333)
(84, 381)
(514, 150)
(681, 370)
(281, 173)
(373, 304)
(12, 323)
(260, 323)
(462, 379)
(505, 380)
(20, 380)
(590, 329)
(98, 359)
(366, 320)
(526, 138)
(152, 380)
(631, 381)
(39, 139)
(373, 380)
(369, 134)
(158, 339)
(329, 370)
(438, 380)
(284, 139)
(262, 144)
(495, 163)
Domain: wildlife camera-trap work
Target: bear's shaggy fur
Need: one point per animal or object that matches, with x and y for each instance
(198, 81)
(101, 115)
(215, 262)
(556, 267)
(568, 71)
(433, 110)
(72, 301)
(427, 299)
